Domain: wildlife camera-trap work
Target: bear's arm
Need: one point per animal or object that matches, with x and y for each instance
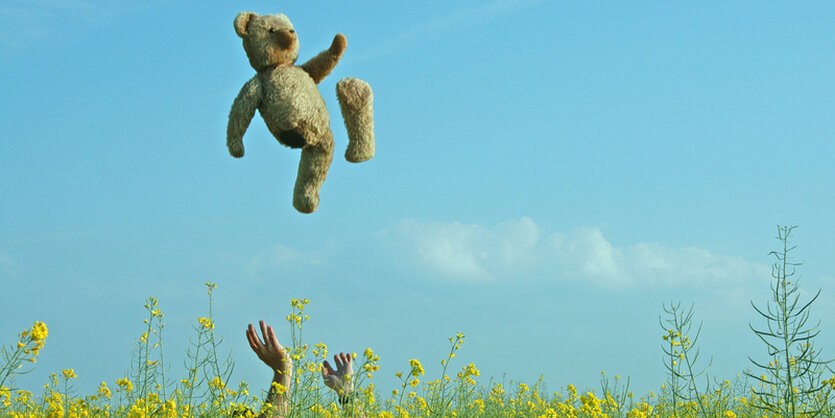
(321, 65)
(243, 109)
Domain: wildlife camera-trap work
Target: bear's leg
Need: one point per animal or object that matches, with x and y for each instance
(313, 169)
(356, 102)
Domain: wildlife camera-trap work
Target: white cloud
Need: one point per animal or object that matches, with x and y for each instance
(516, 249)
(586, 253)
(469, 252)
(659, 264)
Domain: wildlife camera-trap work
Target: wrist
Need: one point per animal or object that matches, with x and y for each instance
(283, 379)
(344, 394)
(284, 374)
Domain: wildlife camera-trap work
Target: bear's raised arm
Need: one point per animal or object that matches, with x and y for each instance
(321, 65)
(243, 109)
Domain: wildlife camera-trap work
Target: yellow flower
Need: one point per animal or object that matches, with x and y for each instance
(5, 395)
(69, 373)
(125, 384)
(39, 331)
(279, 388)
(468, 371)
(104, 390)
(206, 322)
(321, 350)
(417, 368)
(217, 383)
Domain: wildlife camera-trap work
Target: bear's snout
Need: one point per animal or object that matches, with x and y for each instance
(285, 38)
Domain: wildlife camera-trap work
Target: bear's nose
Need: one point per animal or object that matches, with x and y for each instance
(286, 37)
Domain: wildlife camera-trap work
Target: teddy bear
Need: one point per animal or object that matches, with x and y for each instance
(288, 99)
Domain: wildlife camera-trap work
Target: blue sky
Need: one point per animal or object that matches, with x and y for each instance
(548, 174)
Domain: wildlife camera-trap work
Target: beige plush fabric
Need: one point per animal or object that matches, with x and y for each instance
(356, 100)
(288, 99)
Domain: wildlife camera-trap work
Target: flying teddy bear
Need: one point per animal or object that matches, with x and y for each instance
(288, 99)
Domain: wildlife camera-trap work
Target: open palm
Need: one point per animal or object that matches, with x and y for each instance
(340, 379)
(271, 352)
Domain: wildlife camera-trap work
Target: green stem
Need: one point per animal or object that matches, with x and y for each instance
(12, 365)
(783, 303)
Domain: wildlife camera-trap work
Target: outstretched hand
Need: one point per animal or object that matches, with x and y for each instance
(340, 380)
(271, 352)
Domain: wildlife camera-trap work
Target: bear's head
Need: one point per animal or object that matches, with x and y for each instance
(269, 41)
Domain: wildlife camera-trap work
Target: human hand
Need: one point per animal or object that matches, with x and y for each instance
(340, 380)
(271, 353)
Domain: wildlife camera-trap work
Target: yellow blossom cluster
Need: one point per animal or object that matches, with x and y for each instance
(206, 323)
(32, 341)
(69, 373)
(468, 372)
(125, 384)
(370, 365)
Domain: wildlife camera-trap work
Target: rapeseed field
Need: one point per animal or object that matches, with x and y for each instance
(794, 381)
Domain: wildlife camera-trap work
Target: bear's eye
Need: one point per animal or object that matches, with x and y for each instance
(272, 30)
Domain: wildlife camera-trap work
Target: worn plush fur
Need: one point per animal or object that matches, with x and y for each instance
(288, 99)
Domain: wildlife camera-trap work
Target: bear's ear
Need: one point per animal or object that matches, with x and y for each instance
(242, 21)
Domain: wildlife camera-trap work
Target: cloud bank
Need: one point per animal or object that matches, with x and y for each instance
(514, 250)
(518, 249)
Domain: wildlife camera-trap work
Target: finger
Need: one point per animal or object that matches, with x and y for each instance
(264, 333)
(326, 368)
(337, 361)
(349, 364)
(252, 337)
(274, 340)
(346, 358)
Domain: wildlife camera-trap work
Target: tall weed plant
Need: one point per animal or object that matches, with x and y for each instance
(792, 380)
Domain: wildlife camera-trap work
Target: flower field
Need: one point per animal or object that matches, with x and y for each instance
(794, 381)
